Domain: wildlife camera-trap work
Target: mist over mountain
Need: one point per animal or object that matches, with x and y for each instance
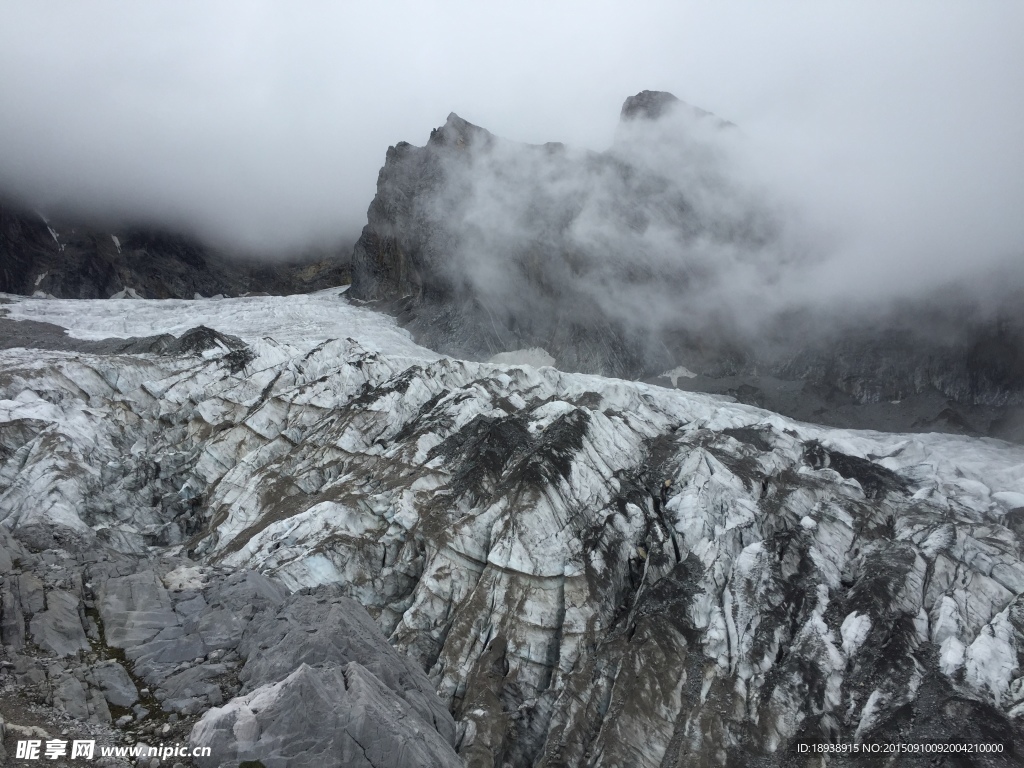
(277, 530)
(658, 433)
(669, 252)
(547, 243)
(673, 257)
(262, 127)
(87, 259)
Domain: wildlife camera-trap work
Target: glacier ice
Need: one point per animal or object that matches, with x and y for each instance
(587, 569)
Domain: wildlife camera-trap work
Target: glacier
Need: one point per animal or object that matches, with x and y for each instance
(568, 569)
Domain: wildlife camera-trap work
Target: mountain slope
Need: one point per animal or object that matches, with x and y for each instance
(589, 571)
(76, 260)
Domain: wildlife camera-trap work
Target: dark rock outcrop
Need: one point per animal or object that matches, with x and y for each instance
(78, 260)
(322, 716)
(169, 642)
(482, 245)
(649, 105)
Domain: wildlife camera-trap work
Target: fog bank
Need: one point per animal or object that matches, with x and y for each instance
(888, 128)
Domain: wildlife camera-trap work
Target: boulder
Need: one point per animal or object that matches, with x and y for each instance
(326, 716)
(118, 688)
(12, 620)
(134, 609)
(326, 628)
(59, 629)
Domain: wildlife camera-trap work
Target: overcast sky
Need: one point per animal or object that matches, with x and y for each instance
(264, 124)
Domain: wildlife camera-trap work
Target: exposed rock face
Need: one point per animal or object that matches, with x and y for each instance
(648, 105)
(117, 686)
(342, 714)
(189, 643)
(620, 263)
(894, 381)
(310, 630)
(653, 105)
(76, 260)
(488, 246)
(58, 628)
(586, 571)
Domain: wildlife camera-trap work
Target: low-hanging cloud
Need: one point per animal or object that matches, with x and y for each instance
(678, 237)
(658, 231)
(887, 130)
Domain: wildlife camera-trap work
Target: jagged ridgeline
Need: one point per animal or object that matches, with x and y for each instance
(659, 255)
(495, 245)
(277, 529)
(74, 257)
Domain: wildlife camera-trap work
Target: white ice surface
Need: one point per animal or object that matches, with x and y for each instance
(535, 356)
(712, 513)
(677, 373)
(855, 631)
(981, 474)
(301, 321)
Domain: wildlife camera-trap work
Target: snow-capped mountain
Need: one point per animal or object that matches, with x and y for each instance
(279, 528)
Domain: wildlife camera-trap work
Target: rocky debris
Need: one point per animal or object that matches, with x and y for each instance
(192, 690)
(327, 628)
(338, 715)
(117, 686)
(135, 609)
(74, 692)
(30, 589)
(151, 671)
(199, 341)
(42, 695)
(12, 616)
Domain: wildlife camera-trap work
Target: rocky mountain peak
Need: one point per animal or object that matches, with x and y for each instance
(457, 132)
(648, 105)
(654, 105)
(485, 246)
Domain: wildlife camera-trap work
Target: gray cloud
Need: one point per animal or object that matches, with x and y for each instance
(888, 129)
(607, 260)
